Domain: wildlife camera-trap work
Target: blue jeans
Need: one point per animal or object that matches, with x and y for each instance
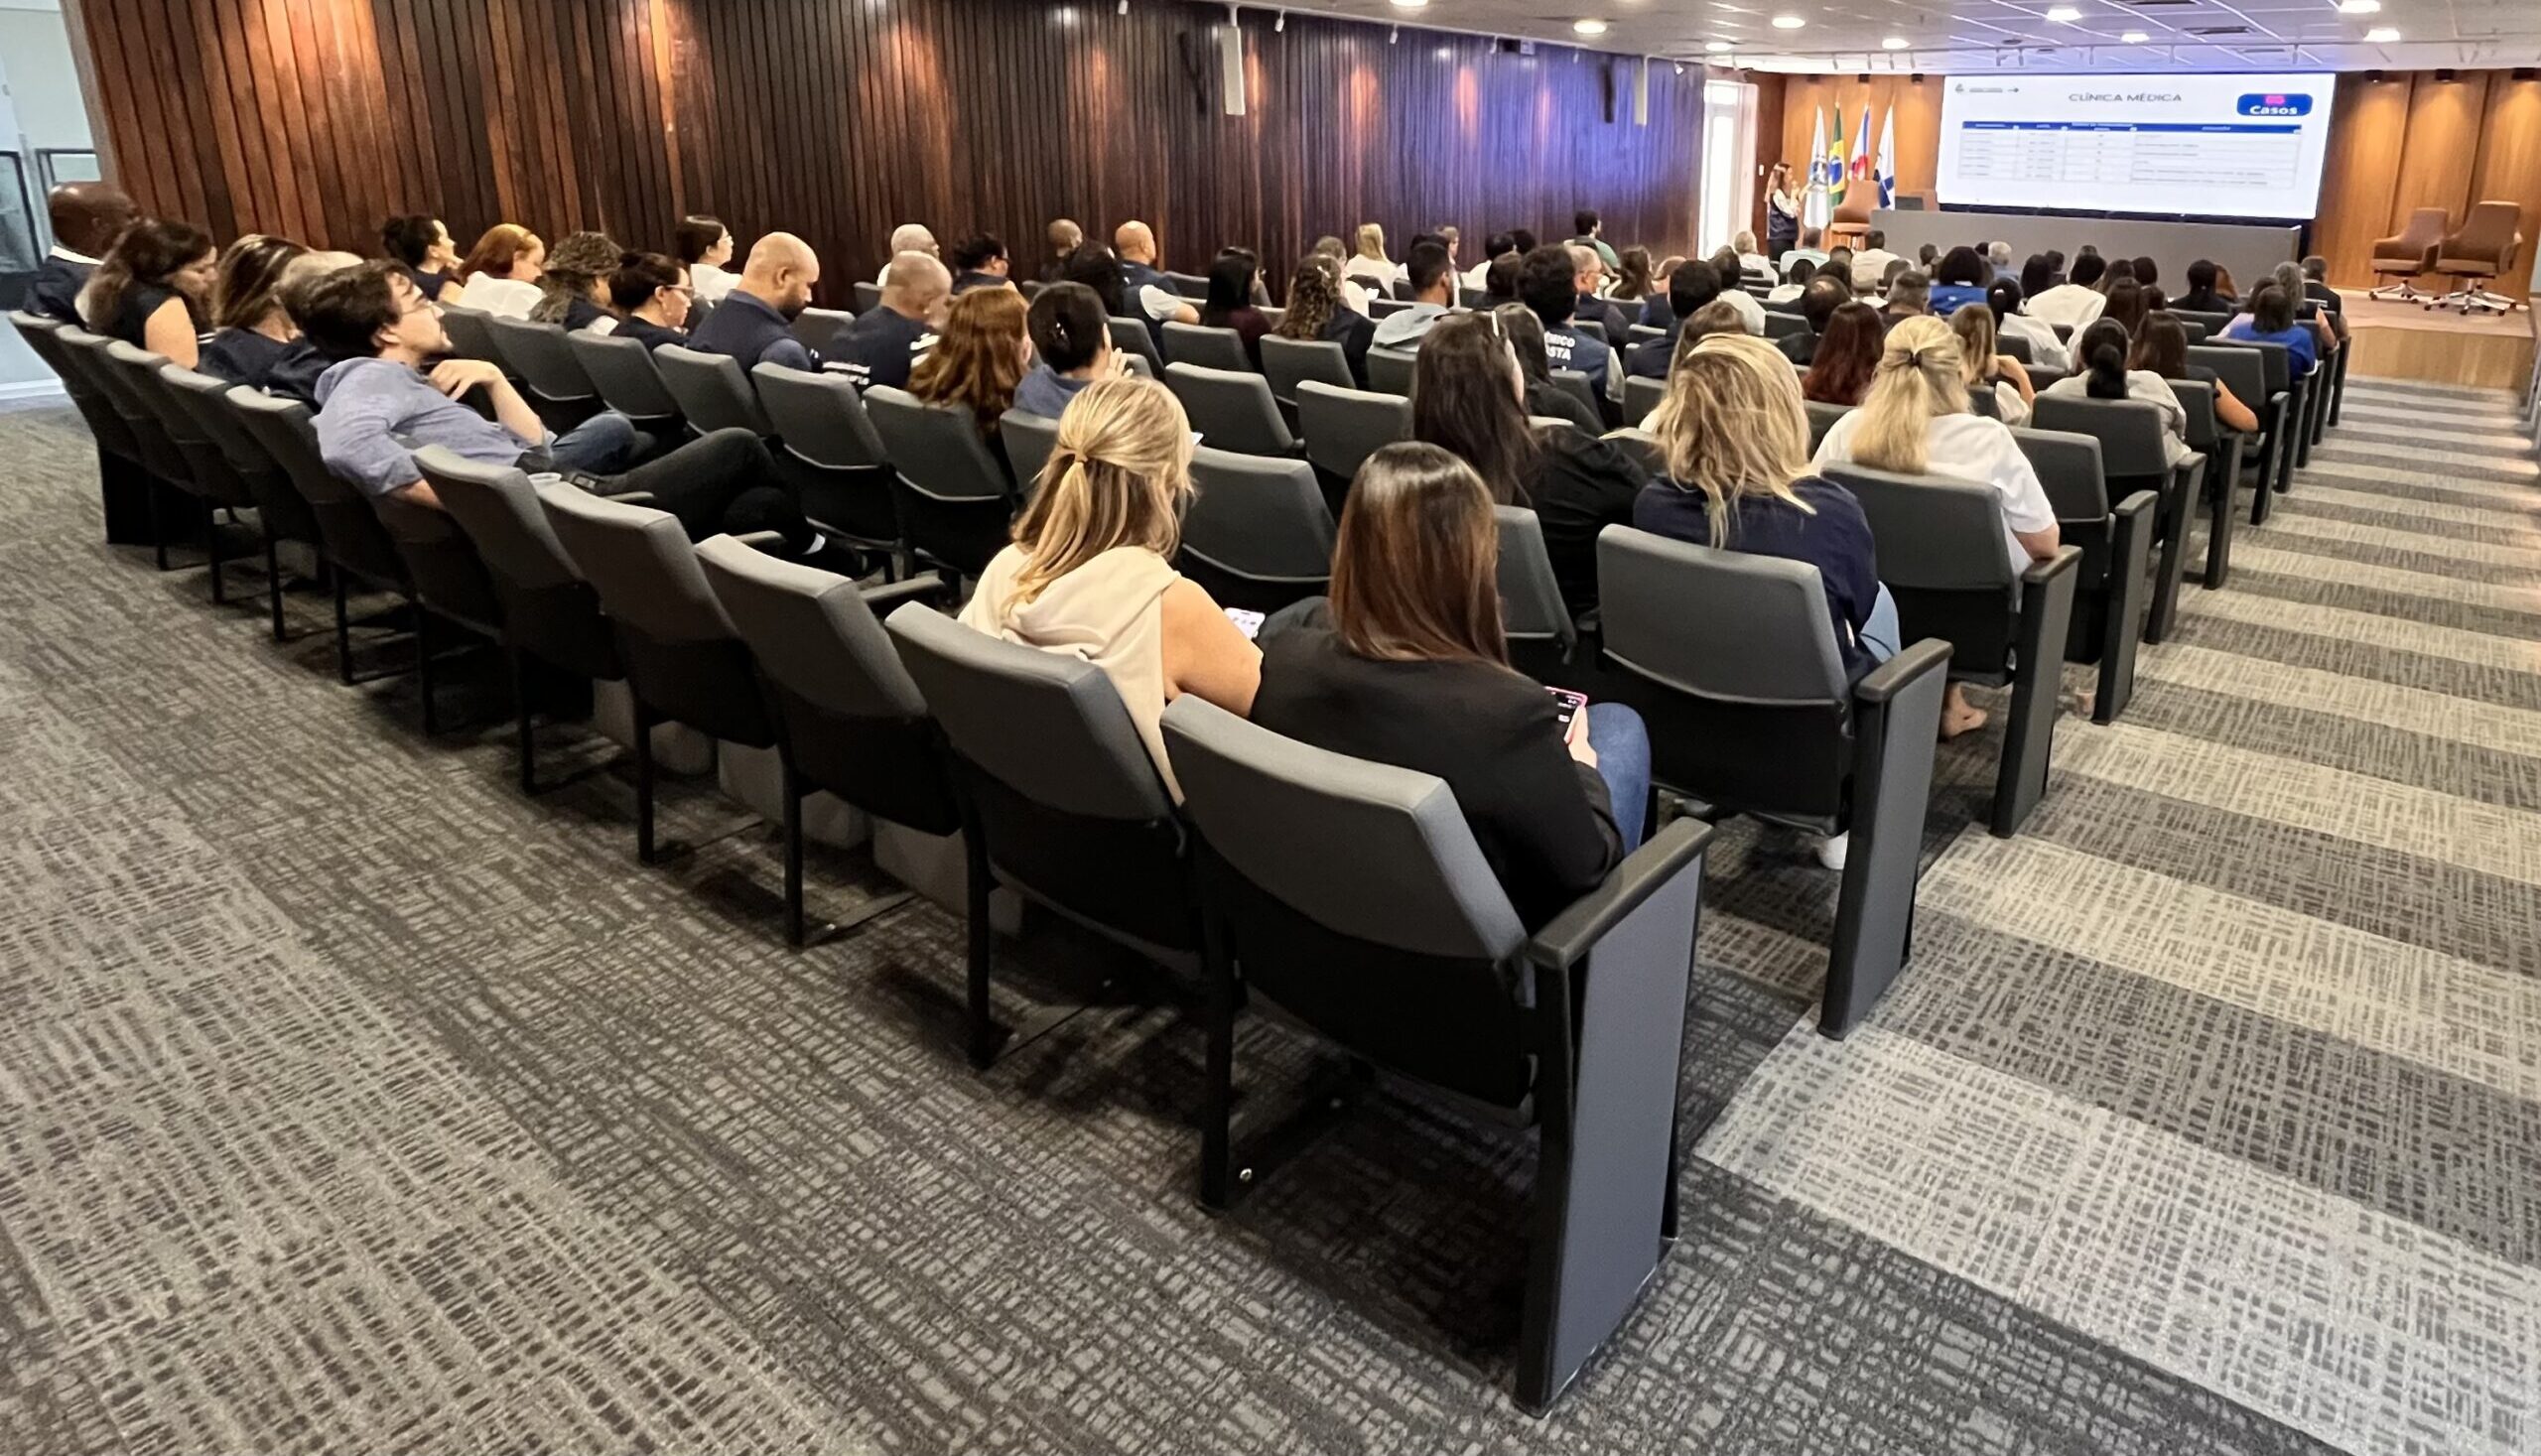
(602, 445)
(1879, 635)
(1623, 760)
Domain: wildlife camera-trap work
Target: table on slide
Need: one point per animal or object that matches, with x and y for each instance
(2126, 153)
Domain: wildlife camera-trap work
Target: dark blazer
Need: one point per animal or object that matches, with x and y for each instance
(1354, 332)
(1544, 820)
(53, 292)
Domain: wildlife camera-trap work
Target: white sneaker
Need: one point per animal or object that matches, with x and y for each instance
(1831, 852)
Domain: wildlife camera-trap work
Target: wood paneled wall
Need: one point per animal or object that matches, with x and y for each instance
(2406, 141)
(838, 119)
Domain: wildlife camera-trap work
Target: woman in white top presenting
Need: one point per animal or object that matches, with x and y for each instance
(2103, 349)
(1371, 265)
(1915, 422)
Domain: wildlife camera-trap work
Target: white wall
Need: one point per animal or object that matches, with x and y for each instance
(35, 57)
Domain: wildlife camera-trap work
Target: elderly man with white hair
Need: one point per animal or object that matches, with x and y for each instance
(1998, 256)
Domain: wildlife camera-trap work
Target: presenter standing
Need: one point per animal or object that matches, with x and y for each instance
(1782, 213)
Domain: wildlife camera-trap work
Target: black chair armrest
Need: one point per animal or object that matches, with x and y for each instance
(1567, 940)
(924, 587)
(2066, 560)
(2141, 503)
(1890, 678)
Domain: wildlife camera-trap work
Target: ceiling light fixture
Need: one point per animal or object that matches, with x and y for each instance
(2134, 38)
(2062, 14)
(1280, 26)
(1409, 4)
(1588, 26)
(2359, 7)
(2381, 35)
(1788, 22)
(1716, 47)
(1892, 43)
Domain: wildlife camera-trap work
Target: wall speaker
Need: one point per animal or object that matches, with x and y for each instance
(1230, 66)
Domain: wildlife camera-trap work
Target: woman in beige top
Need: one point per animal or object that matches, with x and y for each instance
(1091, 570)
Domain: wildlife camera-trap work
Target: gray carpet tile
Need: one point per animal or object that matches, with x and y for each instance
(359, 1102)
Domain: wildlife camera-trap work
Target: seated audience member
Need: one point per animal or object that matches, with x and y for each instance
(1449, 237)
(1354, 297)
(1750, 262)
(2038, 275)
(2161, 348)
(1636, 284)
(1794, 279)
(420, 244)
(2045, 351)
(1819, 302)
(253, 332)
(501, 273)
(2120, 270)
(1315, 312)
(1588, 287)
(703, 245)
(2104, 350)
(2125, 306)
(652, 294)
(1586, 227)
(1915, 422)
(1961, 279)
(1927, 257)
(1549, 284)
(1909, 297)
(1091, 575)
(1998, 261)
(978, 359)
(150, 287)
(1494, 249)
(1234, 278)
(1691, 288)
(1094, 265)
(575, 281)
(2074, 302)
(1062, 239)
(1870, 264)
(2154, 302)
(756, 322)
(1545, 399)
(888, 341)
(1840, 258)
(1469, 397)
(1071, 340)
(1996, 377)
(1733, 291)
(1500, 284)
(87, 217)
(1368, 265)
(2290, 280)
(909, 237)
(2270, 320)
(2315, 288)
(2147, 272)
(1720, 316)
(1847, 355)
(1144, 285)
(379, 403)
(979, 261)
(1433, 292)
(2223, 283)
(1411, 668)
(1813, 247)
(2202, 295)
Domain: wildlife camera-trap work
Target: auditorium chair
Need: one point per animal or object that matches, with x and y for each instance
(2284, 431)
(868, 297)
(471, 336)
(2113, 589)
(1589, 329)
(955, 502)
(1382, 308)
(351, 542)
(1130, 337)
(1232, 409)
(2483, 250)
(828, 447)
(2012, 346)
(1543, 638)
(1476, 299)
(207, 479)
(621, 369)
(123, 482)
(162, 465)
(849, 721)
(281, 514)
(710, 390)
(1343, 426)
(819, 328)
(1781, 325)
(1352, 897)
(1391, 370)
(1188, 285)
(1822, 416)
(2213, 323)
(1060, 801)
(1642, 334)
(1210, 349)
(1289, 363)
(1029, 440)
(2408, 256)
(1941, 556)
(1732, 662)
(550, 375)
(1576, 384)
(2135, 455)
(1256, 534)
(2221, 448)
(449, 585)
(1641, 396)
(2244, 372)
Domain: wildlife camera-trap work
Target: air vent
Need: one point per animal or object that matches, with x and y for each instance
(2218, 30)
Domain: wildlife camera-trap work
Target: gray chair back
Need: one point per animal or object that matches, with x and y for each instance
(2240, 371)
(818, 328)
(1643, 333)
(2014, 347)
(539, 355)
(1232, 409)
(1590, 328)
(1379, 308)
(348, 527)
(472, 334)
(830, 449)
(1343, 426)
(868, 297)
(549, 611)
(1728, 625)
(1389, 370)
(44, 337)
(1210, 349)
(2214, 322)
(2197, 398)
(2276, 359)
(712, 391)
(2133, 441)
(2068, 468)
(1130, 337)
(1542, 634)
(955, 502)
(1641, 396)
(622, 370)
(1577, 386)
(1028, 441)
(2197, 333)
(1258, 534)
(1941, 556)
(1289, 363)
(1780, 324)
(1822, 418)
(1189, 285)
(129, 377)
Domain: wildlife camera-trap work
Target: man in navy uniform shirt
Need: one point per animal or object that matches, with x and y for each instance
(1694, 283)
(756, 322)
(87, 217)
(883, 343)
(1548, 285)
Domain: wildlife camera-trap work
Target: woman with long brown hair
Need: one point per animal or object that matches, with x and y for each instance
(150, 286)
(1317, 311)
(980, 358)
(1847, 355)
(1412, 670)
(251, 329)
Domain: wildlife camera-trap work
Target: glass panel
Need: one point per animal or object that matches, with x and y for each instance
(60, 165)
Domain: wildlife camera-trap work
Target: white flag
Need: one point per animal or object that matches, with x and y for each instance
(1813, 212)
(1888, 160)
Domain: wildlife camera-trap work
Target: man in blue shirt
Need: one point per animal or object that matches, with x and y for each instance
(886, 342)
(1549, 284)
(754, 323)
(378, 405)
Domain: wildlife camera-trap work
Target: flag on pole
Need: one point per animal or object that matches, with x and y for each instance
(1888, 161)
(1859, 170)
(1813, 204)
(1834, 163)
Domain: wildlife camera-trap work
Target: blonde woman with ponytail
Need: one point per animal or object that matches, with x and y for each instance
(1091, 570)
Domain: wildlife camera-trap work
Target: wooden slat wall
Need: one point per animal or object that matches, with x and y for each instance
(838, 119)
(2406, 141)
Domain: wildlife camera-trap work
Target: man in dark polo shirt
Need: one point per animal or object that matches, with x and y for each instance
(1548, 285)
(1692, 285)
(884, 341)
(756, 322)
(87, 217)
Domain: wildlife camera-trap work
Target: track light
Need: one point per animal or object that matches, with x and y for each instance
(1124, 9)
(1280, 26)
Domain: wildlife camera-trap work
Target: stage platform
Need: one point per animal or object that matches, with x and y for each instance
(2395, 341)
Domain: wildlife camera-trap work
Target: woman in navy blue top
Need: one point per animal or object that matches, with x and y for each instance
(651, 292)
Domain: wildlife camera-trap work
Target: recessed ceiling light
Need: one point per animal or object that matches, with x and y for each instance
(2381, 35)
(2359, 7)
(1788, 22)
(1409, 4)
(1590, 26)
(1716, 47)
(2134, 38)
(2062, 14)
(1892, 43)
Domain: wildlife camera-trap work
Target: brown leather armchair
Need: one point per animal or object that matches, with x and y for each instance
(2481, 252)
(2409, 255)
(1851, 222)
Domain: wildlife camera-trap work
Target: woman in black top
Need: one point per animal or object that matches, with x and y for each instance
(652, 294)
(572, 283)
(253, 331)
(1231, 279)
(1468, 397)
(1412, 670)
(149, 287)
(420, 244)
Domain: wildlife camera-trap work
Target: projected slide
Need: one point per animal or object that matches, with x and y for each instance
(2211, 146)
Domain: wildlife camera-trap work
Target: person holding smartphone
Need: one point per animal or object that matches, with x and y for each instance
(1411, 668)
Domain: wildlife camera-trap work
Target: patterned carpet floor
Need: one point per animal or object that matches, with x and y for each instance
(352, 1102)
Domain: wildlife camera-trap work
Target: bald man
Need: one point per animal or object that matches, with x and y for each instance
(909, 237)
(1064, 239)
(87, 217)
(756, 322)
(883, 345)
(1144, 286)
